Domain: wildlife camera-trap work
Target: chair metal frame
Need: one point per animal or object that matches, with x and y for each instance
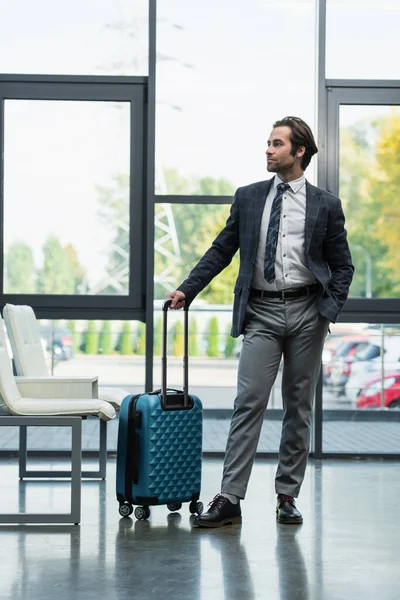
(74, 516)
(23, 457)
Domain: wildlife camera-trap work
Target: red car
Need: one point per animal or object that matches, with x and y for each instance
(371, 395)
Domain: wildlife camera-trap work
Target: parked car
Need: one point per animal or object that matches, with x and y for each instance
(370, 364)
(371, 395)
(337, 370)
(63, 347)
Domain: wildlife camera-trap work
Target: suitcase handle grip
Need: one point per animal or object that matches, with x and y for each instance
(167, 304)
(186, 404)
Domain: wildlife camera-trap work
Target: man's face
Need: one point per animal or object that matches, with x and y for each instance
(279, 157)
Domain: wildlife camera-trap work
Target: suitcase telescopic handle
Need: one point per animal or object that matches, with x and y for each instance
(165, 307)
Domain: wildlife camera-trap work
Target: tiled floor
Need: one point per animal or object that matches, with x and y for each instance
(347, 548)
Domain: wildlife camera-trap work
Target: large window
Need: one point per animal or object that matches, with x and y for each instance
(81, 134)
(362, 39)
(73, 185)
(368, 179)
(361, 394)
(66, 197)
(225, 73)
(183, 232)
(363, 145)
(75, 38)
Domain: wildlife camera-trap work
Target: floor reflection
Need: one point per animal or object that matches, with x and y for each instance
(156, 560)
(292, 570)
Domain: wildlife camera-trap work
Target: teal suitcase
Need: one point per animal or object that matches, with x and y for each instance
(159, 454)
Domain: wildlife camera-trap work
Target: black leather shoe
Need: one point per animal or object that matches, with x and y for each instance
(221, 512)
(286, 511)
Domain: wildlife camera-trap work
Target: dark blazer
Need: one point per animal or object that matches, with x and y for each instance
(326, 248)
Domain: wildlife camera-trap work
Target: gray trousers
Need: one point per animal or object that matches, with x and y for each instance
(292, 329)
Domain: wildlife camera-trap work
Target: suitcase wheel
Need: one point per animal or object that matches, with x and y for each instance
(126, 509)
(196, 507)
(142, 513)
(173, 506)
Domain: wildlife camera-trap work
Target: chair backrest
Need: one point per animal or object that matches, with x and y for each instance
(9, 392)
(26, 344)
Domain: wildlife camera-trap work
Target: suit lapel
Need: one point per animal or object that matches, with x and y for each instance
(260, 198)
(312, 207)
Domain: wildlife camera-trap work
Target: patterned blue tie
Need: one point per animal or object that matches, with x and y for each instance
(273, 232)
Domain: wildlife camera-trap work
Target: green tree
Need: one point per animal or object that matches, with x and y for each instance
(193, 341)
(220, 290)
(188, 220)
(213, 338)
(105, 341)
(91, 339)
(140, 346)
(230, 344)
(61, 272)
(384, 182)
(358, 147)
(19, 269)
(126, 345)
(158, 327)
(76, 336)
(114, 212)
(76, 270)
(177, 339)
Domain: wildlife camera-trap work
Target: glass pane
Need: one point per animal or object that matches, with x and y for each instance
(361, 397)
(372, 28)
(78, 38)
(369, 185)
(219, 88)
(66, 197)
(183, 232)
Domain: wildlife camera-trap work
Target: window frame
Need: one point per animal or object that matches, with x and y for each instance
(132, 90)
(361, 92)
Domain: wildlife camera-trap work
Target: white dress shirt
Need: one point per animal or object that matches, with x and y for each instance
(291, 269)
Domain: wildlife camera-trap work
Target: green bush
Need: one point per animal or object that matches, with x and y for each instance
(193, 342)
(91, 339)
(126, 345)
(105, 341)
(140, 346)
(158, 336)
(76, 336)
(212, 338)
(177, 339)
(230, 344)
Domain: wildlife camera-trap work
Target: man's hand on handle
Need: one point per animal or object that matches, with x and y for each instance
(178, 299)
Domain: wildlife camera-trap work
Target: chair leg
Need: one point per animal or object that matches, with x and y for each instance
(75, 423)
(23, 434)
(103, 450)
(36, 474)
(76, 473)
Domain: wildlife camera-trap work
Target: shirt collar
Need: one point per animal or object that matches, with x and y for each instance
(295, 185)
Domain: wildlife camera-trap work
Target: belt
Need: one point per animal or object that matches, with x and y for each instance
(306, 290)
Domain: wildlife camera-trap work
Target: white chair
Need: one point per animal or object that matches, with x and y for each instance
(32, 372)
(29, 359)
(24, 411)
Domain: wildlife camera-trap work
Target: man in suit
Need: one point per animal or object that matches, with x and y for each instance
(294, 277)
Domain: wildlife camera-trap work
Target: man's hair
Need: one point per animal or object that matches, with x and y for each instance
(301, 135)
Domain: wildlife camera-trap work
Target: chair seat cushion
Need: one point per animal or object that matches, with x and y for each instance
(67, 406)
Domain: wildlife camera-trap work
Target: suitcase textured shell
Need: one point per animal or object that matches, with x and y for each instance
(170, 452)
